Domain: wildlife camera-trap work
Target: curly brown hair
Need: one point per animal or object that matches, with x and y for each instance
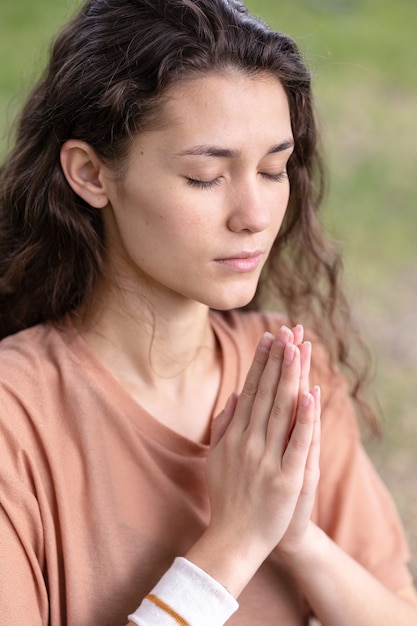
(108, 71)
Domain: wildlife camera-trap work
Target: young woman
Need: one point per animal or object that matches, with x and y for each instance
(159, 440)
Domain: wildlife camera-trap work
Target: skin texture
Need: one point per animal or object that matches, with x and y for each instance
(265, 454)
(171, 221)
(189, 226)
(184, 211)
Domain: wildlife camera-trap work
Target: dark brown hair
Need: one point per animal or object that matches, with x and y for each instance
(108, 70)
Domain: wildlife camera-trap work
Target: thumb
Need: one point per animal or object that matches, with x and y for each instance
(222, 420)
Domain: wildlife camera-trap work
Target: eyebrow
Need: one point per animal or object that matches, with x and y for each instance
(225, 153)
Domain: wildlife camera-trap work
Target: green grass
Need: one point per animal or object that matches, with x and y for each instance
(363, 61)
(26, 28)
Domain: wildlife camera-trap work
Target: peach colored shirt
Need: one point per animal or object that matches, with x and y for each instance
(97, 497)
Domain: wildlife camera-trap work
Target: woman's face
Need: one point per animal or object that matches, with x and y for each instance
(203, 196)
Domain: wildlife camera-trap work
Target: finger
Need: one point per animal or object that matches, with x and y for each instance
(305, 358)
(312, 470)
(317, 399)
(298, 332)
(250, 387)
(285, 401)
(306, 498)
(316, 440)
(305, 354)
(268, 384)
(222, 421)
(298, 448)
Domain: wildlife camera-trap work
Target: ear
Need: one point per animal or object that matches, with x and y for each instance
(84, 172)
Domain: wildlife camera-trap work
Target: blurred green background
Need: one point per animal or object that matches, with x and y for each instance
(363, 57)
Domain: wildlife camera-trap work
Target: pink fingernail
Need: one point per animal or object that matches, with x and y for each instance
(266, 342)
(306, 399)
(317, 389)
(284, 333)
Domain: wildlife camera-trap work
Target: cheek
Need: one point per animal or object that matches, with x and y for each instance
(280, 209)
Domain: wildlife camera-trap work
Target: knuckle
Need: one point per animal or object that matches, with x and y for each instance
(268, 465)
(263, 391)
(286, 488)
(278, 411)
(250, 388)
(304, 420)
(276, 356)
(300, 443)
(271, 466)
(250, 452)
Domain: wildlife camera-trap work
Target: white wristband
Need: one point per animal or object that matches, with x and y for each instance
(185, 596)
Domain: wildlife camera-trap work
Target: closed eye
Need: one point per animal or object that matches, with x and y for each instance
(276, 178)
(203, 184)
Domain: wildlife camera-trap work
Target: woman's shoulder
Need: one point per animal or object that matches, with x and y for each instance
(39, 374)
(29, 357)
(26, 344)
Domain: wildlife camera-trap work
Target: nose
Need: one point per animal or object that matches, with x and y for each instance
(250, 210)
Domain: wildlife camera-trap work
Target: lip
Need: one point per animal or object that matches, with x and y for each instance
(241, 261)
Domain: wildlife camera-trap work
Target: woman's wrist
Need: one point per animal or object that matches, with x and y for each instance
(306, 554)
(233, 563)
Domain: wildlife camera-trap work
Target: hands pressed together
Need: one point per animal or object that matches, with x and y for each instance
(262, 472)
(263, 466)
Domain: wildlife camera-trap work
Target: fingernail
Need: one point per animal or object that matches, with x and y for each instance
(266, 342)
(284, 335)
(306, 399)
(307, 348)
(285, 332)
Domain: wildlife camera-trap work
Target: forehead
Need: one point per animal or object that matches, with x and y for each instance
(221, 90)
(228, 106)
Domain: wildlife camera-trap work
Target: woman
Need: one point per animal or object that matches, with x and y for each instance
(165, 175)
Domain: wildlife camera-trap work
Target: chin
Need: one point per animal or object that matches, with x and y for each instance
(229, 303)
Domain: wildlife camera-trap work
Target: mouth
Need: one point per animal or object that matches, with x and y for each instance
(242, 261)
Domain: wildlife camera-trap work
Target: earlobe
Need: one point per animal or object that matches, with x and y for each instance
(84, 172)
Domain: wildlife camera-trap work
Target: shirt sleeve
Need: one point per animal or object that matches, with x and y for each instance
(22, 586)
(353, 506)
(187, 596)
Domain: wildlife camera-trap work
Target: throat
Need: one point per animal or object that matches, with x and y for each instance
(185, 407)
(171, 366)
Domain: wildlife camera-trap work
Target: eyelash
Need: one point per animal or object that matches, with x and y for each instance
(203, 184)
(276, 178)
(209, 184)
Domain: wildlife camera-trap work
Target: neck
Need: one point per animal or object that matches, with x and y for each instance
(161, 348)
(157, 338)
